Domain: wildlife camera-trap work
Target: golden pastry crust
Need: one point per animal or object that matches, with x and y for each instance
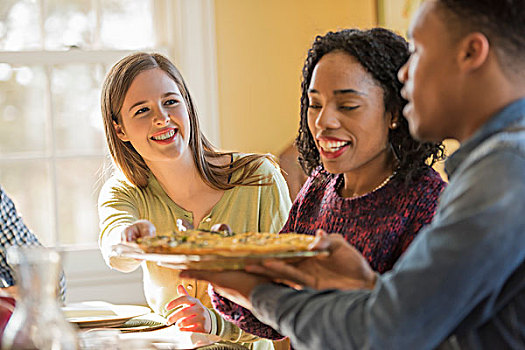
(195, 242)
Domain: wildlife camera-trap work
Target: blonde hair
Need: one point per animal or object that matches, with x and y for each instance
(131, 163)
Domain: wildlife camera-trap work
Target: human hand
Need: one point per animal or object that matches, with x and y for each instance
(344, 268)
(11, 291)
(140, 228)
(189, 315)
(234, 285)
(221, 228)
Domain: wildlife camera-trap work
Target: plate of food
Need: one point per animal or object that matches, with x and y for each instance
(90, 314)
(214, 250)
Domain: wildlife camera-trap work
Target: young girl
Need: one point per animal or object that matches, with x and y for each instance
(168, 171)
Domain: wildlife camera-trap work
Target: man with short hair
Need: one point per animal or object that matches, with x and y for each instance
(461, 284)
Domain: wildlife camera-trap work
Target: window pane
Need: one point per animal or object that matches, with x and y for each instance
(57, 103)
(76, 107)
(127, 24)
(19, 25)
(28, 184)
(23, 109)
(78, 190)
(69, 23)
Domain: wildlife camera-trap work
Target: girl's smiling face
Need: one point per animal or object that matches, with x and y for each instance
(154, 118)
(346, 115)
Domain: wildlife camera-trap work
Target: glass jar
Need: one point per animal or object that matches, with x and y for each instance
(37, 321)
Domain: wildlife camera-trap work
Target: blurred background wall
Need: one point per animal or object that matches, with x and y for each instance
(261, 47)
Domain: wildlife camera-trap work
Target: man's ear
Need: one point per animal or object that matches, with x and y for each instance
(473, 51)
(120, 132)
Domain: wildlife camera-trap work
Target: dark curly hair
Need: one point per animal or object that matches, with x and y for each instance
(381, 52)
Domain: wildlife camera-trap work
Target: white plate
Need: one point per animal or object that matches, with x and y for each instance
(210, 261)
(101, 313)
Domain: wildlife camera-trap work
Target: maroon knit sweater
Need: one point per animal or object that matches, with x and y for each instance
(380, 224)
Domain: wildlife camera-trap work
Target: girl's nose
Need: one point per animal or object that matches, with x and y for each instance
(327, 119)
(161, 117)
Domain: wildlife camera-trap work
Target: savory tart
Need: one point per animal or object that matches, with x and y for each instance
(197, 242)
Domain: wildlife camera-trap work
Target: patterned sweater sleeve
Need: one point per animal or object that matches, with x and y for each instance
(428, 192)
(242, 317)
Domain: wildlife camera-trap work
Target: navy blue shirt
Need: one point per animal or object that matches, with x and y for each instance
(460, 284)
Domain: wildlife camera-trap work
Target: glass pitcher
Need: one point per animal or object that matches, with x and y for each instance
(37, 321)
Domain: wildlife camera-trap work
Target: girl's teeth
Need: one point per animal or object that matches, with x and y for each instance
(332, 146)
(164, 136)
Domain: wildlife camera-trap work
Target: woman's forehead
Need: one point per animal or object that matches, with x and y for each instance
(339, 71)
(151, 83)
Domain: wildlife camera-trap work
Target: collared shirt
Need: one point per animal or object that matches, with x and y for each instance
(13, 232)
(461, 284)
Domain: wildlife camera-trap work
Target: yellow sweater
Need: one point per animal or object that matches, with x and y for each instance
(244, 208)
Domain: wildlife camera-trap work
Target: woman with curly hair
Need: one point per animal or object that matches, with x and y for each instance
(369, 180)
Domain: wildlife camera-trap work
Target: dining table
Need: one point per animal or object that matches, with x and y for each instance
(103, 325)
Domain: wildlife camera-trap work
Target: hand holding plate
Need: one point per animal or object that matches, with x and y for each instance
(234, 285)
(344, 268)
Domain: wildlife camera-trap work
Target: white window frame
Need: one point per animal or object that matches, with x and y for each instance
(191, 42)
(186, 34)
(47, 59)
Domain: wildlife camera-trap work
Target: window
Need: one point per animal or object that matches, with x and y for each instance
(53, 58)
(54, 55)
